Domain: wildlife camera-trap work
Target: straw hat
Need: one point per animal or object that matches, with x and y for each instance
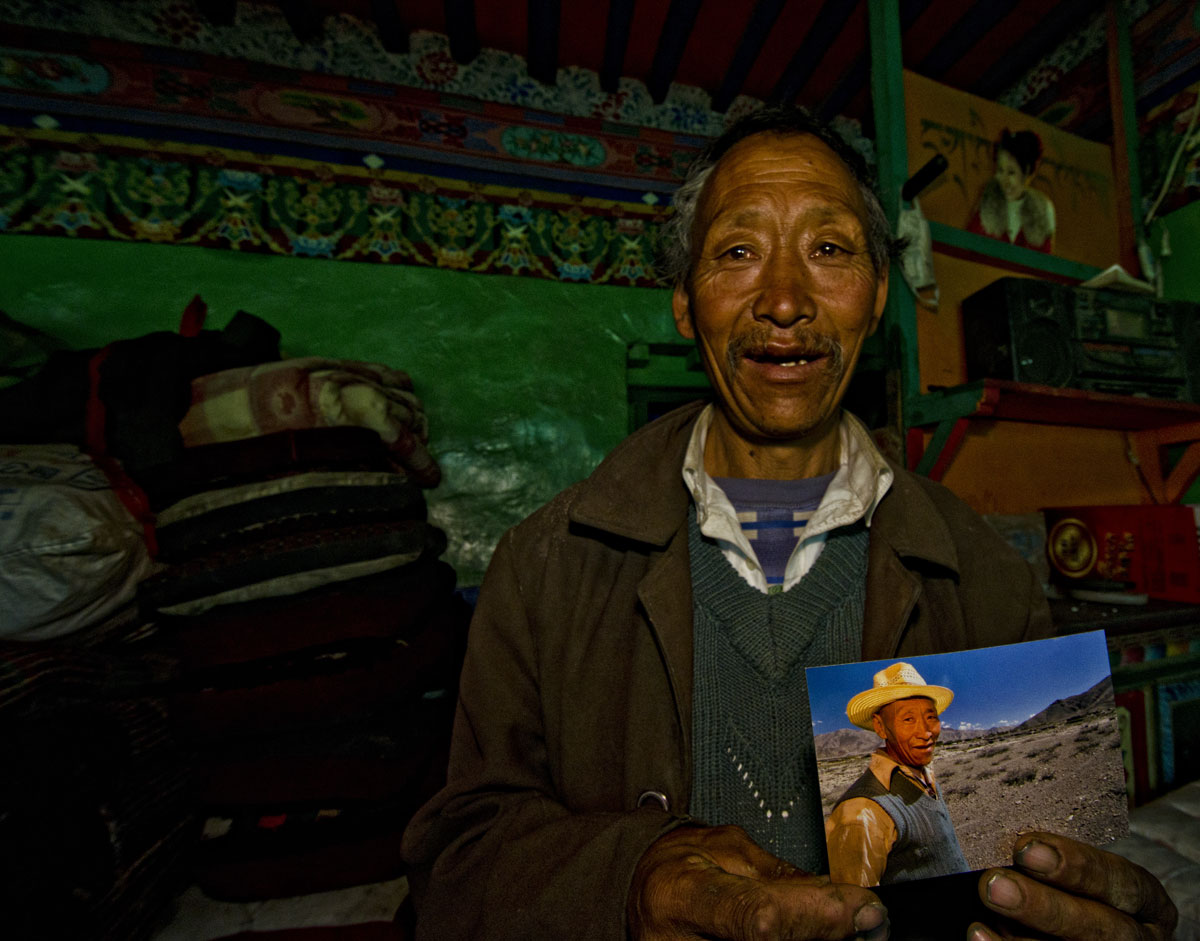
(899, 681)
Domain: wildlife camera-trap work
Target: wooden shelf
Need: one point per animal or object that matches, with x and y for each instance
(1150, 424)
(1019, 401)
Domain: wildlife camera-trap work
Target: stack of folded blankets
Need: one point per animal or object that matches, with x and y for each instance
(96, 819)
(317, 630)
(229, 646)
(96, 814)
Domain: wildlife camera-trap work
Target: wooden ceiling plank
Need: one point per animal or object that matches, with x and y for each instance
(681, 17)
(616, 41)
(544, 17)
(825, 30)
(392, 33)
(462, 30)
(766, 12)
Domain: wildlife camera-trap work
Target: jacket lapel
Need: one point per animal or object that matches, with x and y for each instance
(906, 526)
(638, 494)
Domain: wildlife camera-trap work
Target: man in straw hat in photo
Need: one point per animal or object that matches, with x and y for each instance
(892, 825)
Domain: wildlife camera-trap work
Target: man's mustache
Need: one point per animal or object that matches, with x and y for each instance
(756, 342)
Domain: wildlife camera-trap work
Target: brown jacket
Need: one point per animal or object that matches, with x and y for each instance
(576, 694)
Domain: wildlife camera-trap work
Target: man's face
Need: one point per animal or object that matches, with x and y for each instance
(782, 292)
(910, 728)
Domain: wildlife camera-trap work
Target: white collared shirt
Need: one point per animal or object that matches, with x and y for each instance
(859, 483)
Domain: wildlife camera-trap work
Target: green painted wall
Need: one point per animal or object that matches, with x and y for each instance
(1181, 269)
(523, 379)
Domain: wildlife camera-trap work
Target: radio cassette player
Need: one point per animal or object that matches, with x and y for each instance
(1101, 340)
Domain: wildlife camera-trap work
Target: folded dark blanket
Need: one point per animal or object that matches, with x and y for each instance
(288, 565)
(363, 759)
(386, 604)
(340, 683)
(291, 451)
(281, 506)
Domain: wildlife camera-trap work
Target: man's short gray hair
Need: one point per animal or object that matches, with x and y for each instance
(675, 254)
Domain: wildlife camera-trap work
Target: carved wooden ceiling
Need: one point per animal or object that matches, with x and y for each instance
(790, 50)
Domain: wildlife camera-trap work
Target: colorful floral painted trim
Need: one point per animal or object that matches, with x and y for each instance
(122, 84)
(95, 186)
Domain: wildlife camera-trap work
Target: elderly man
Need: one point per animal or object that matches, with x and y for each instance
(892, 825)
(631, 753)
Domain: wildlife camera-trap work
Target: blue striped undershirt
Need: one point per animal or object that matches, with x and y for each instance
(773, 514)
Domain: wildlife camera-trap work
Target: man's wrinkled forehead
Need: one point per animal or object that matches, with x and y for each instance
(793, 150)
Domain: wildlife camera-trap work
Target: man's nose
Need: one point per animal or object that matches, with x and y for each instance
(785, 293)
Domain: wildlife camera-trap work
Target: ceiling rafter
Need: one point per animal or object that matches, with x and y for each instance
(765, 13)
(392, 33)
(616, 41)
(304, 19)
(855, 79)
(462, 29)
(972, 28)
(825, 29)
(681, 17)
(218, 12)
(542, 59)
(1055, 25)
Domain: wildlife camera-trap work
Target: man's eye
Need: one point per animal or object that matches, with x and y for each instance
(737, 253)
(829, 249)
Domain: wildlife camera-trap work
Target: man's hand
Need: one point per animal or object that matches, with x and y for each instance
(715, 882)
(1073, 891)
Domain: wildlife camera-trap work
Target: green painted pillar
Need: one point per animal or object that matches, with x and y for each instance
(891, 147)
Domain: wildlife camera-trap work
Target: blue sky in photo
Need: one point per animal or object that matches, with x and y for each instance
(994, 686)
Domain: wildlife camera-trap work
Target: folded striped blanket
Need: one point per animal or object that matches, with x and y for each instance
(313, 392)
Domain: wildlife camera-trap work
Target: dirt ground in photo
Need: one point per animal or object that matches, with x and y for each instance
(1066, 778)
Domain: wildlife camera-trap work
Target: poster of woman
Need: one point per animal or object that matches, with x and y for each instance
(1010, 176)
(1010, 207)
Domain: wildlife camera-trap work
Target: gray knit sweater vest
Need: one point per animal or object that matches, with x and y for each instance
(752, 750)
(926, 844)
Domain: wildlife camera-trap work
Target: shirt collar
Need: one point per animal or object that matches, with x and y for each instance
(883, 766)
(859, 483)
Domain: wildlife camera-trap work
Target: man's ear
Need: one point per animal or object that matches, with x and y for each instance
(880, 729)
(881, 292)
(681, 307)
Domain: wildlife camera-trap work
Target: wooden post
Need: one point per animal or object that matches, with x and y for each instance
(1123, 102)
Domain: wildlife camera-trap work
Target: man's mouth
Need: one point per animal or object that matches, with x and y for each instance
(768, 359)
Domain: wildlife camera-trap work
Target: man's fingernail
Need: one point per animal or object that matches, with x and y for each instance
(869, 917)
(1004, 892)
(1039, 857)
(978, 933)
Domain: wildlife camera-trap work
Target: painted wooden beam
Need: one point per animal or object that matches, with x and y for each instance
(544, 17)
(825, 29)
(763, 17)
(462, 30)
(392, 33)
(681, 17)
(616, 41)
(217, 12)
(305, 20)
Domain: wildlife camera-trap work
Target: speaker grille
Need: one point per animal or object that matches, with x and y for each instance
(1044, 353)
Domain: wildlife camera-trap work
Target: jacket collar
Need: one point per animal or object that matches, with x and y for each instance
(911, 523)
(637, 492)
